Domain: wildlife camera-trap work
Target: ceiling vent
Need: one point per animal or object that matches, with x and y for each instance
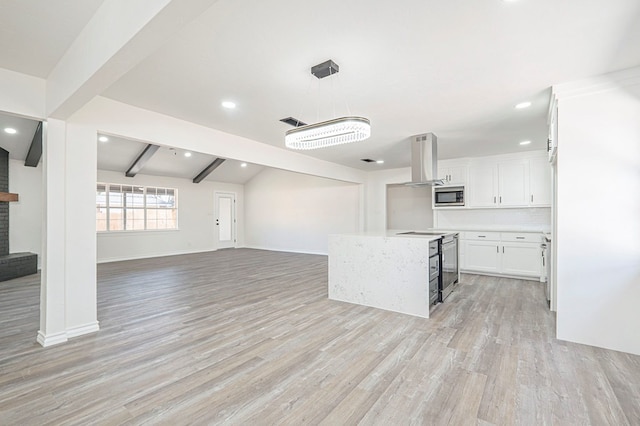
(367, 160)
(293, 121)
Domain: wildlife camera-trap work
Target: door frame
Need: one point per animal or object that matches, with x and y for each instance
(216, 210)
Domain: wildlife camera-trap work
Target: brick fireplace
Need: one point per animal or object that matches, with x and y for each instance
(12, 265)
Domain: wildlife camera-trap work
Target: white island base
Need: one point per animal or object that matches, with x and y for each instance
(381, 270)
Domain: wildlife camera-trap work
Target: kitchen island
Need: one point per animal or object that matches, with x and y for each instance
(382, 270)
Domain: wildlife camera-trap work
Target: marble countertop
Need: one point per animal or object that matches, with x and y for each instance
(396, 233)
(541, 230)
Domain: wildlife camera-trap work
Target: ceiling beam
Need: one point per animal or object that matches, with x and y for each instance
(207, 170)
(35, 150)
(108, 47)
(142, 159)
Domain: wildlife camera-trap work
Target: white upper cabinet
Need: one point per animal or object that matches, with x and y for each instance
(540, 182)
(513, 184)
(509, 181)
(453, 175)
(453, 172)
(483, 185)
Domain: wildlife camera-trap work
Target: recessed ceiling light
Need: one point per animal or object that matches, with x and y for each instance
(229, 104)
(380, 161)
(523, 105)
(243, 165)
(187, 154)
(103, 139)
(525, 142)
(10, 130)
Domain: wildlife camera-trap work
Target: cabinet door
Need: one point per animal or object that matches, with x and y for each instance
(523, 259)
(539, 182)
(513, 184)
(482, 186)
(457, 175)
(482, 256)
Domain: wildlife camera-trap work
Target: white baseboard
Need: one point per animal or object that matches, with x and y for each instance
(497, 275)
(91, 327)
(63, 336)
(51, 339)
(150, 256)
(287, 251)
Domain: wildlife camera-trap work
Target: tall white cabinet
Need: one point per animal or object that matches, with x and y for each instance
(539, 182)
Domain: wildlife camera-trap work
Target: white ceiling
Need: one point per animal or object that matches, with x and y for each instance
(118, 155)
(34, 34)
(455, 68)
(17, 144)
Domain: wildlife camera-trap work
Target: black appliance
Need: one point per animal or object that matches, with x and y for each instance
(446, 196)
(449, 274)
(434, 272)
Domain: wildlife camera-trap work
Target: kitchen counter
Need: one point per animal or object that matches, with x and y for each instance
(382, 270)
(540, 230)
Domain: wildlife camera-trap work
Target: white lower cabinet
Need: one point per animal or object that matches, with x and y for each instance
(511, 254)
(482, 256)
(521, 259)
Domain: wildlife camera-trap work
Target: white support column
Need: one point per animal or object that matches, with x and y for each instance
(52, 293)
(80, 231)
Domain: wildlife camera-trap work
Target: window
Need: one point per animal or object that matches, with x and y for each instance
(135, 208)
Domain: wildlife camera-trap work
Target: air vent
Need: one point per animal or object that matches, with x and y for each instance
(367, 160)
(293, 121)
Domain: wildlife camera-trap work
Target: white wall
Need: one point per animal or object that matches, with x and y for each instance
(409, 207)
(195, 220)
(527, 219)
(598, 212)
(25, 216)
(376, 195)
(289, 211)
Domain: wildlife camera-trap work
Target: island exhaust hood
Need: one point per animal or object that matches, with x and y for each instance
(424, 161)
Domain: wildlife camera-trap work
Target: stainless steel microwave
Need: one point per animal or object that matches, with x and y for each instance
(446, 196)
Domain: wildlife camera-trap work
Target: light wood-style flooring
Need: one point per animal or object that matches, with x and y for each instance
(249, 337)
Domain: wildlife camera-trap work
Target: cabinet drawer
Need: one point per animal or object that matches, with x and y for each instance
(522, 237)
(482, 236)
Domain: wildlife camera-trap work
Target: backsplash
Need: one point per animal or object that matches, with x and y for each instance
(534, 219)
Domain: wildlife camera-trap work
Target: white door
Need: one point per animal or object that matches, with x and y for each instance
(482, 256)
(483, 182)
(457, 175)
(521, 259)
(540, 182)
(513, 184)
(225, 216)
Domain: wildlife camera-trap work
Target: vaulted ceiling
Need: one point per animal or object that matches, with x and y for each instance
(455, 68)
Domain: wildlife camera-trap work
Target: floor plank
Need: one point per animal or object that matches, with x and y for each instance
(249, 337)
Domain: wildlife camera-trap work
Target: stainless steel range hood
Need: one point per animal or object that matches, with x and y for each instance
(424, 161)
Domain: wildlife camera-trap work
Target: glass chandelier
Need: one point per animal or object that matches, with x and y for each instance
(328, 133)
(331, 132)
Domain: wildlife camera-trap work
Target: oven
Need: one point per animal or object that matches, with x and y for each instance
(434, 272)
(450, 271)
